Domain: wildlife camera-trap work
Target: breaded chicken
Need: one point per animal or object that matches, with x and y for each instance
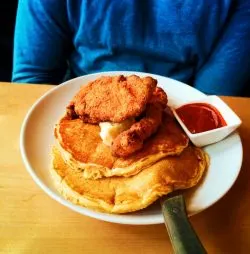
(159, 96)
(130, 141)
(113, 99)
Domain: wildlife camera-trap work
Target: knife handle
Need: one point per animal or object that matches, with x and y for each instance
(183, 237)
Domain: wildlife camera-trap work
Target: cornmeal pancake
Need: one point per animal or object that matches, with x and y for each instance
(128, 194)
(82, 148)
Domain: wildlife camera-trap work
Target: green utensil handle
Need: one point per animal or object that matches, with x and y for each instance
(182, 235)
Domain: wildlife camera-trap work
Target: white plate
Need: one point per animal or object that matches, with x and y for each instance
(37, 139)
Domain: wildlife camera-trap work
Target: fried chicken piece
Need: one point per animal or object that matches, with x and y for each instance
(159, 96)
(130, 141)
(112, 99)
(70, 111)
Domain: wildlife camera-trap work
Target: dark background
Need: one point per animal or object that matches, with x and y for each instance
(7, 26)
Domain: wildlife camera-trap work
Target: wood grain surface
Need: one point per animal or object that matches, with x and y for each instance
(31, 222)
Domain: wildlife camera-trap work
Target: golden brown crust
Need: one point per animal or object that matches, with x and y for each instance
(122, 195)
(83, 148)
(131, 140)
(113, 99)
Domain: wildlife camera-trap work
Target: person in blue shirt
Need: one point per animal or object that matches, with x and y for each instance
(204, 43)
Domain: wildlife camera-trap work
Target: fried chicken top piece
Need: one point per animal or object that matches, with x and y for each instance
(112, 99)
(130, 141)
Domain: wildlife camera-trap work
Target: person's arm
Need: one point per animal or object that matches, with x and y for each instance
(42, 42)
(227, 70)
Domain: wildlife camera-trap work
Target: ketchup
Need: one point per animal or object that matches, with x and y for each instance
(200, 117)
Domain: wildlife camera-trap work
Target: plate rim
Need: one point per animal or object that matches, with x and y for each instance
(114, 218)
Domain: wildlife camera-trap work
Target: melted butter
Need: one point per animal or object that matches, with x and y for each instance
(109, 131)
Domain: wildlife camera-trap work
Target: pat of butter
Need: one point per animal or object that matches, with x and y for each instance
(109, 131)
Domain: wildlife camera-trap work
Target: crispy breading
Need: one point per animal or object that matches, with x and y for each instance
(159, 96)
(130, 141)
(112, 99)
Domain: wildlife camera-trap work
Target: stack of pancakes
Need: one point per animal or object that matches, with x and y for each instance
(87, 173)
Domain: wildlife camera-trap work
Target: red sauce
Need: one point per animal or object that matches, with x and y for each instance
(200, 117)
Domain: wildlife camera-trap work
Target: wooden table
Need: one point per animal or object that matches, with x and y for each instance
(31, 222)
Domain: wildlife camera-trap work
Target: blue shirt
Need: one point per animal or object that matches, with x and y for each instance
(205, 43)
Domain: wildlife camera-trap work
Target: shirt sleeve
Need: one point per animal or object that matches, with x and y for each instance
(42, 42)
(227, 70)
